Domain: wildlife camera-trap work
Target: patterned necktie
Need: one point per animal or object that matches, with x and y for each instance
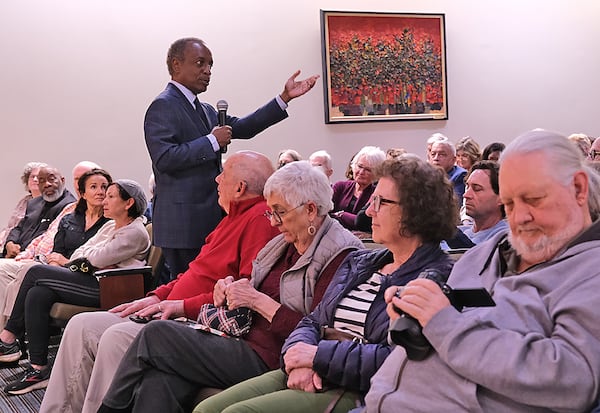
(200, 112)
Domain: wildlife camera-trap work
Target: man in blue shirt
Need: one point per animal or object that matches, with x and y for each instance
(443, 154)
(482, 202)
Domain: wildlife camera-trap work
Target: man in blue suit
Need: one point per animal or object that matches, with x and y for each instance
(185, 145)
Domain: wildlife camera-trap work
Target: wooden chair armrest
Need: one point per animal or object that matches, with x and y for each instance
(111, 272)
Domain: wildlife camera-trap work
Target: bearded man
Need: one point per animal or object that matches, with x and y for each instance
(40, 211)
(537, 349)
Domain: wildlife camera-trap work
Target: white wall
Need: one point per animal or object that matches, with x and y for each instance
(77, 76)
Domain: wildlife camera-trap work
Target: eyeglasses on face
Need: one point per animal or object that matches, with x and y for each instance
(378, 200)
(278, 215)
(593, 153)
(364, 168)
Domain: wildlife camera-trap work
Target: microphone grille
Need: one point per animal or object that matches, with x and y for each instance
(222, 105)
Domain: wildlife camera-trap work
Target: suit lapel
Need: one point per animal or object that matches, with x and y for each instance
(189, 108)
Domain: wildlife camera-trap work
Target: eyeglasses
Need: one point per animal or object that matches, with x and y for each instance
(378, 200)
(364, 168)
(593, 153)
(278, 215)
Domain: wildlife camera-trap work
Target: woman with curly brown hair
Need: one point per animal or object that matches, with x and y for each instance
(413, 209)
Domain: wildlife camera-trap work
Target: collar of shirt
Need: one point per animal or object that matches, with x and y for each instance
(186, 92)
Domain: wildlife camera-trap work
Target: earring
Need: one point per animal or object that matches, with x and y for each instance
(311, 229)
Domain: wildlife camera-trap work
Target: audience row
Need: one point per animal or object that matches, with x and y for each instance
(315, 301)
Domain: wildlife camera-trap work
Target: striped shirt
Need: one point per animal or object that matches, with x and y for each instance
(351, 312)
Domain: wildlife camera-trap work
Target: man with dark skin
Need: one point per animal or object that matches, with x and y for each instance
(185, 143)
(40, 211)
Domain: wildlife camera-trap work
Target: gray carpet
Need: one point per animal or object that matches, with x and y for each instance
(29, 402)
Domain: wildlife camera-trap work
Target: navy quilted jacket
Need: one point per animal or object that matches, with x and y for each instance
(347, 363)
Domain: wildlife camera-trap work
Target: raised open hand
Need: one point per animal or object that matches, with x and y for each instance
(294, 88)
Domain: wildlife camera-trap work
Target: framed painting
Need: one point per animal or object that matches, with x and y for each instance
(383, 66)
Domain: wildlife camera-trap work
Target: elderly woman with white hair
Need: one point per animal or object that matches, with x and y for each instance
(289, 277)
(350, 196)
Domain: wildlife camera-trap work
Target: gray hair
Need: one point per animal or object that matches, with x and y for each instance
(373, 154)
(436, 137)
(28, 169)
(448, 144)
(566, 160)
(582, 141)
(322, 154)
(298, 182)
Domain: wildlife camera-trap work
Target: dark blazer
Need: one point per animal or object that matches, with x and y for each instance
(38, 216)
(185, 166)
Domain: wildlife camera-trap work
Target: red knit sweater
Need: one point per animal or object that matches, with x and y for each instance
(229, 250)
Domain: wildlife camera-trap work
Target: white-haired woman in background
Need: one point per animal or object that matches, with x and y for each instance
(351, 195)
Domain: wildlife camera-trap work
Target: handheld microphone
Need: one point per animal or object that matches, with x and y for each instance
(222, 108)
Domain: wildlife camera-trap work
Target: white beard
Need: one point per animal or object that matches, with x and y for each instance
(545, 247)
(55, 196)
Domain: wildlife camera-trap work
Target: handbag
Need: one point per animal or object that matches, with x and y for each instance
(235, 323)
(81, 265)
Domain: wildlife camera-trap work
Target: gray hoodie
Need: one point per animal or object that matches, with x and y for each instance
(537, 350)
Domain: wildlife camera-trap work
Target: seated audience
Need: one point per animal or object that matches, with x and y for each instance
(43, 244)
(492, 151)
(11, 269)
(30, 180)
(121, 243)
(467, 152)
(93, 343)
(286, 156)
(582, 142)
(482, 202)
(289, 277)
(536, 350)
(74, 229)
(40, 211)
(318, 367)
(322, 160)
(443, 154)
(351, 195)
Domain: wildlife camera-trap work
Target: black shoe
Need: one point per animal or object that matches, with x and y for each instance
(32, 380)
(9, 352)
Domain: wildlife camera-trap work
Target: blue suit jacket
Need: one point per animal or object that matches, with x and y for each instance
(185, 165)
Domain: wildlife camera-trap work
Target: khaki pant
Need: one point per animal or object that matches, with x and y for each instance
(89, 353)
(11, 275)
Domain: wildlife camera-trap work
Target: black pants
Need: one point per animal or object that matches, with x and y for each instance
(168, 362)
(42, 286)
(178, 261)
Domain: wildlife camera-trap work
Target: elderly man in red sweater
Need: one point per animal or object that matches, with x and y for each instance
(228, 251)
